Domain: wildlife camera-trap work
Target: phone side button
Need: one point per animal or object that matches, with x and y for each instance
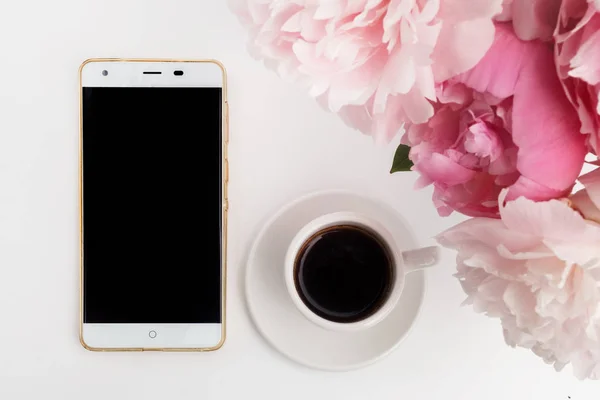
(226, 122)
(225, 204)
(226, 172)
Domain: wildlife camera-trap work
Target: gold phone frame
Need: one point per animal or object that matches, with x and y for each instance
(224, 206)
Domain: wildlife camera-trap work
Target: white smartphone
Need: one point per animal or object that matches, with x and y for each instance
(153, 204)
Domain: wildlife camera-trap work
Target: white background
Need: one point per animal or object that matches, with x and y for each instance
(282, 145)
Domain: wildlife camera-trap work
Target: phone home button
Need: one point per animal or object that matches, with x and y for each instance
(152, 334)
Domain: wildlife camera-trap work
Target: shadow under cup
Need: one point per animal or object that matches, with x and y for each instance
(344, 273)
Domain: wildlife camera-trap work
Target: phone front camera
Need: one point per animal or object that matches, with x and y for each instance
(178, 73)
(104, 72)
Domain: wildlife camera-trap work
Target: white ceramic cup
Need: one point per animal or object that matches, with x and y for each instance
(403, 262)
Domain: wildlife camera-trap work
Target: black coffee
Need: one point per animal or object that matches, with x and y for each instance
(343, 273)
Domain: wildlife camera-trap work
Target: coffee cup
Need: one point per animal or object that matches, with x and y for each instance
(344, 271)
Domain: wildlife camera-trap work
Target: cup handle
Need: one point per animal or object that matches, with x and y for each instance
(424, 257)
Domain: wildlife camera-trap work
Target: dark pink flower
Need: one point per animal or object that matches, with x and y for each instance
(506, 123)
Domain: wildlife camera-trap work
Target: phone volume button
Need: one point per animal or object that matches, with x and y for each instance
(226, 122)
(226, 184)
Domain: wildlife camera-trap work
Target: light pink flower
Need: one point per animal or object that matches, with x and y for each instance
(537, 270)
(578, 61)
(504, 123)
(373, 61)
(532, 19)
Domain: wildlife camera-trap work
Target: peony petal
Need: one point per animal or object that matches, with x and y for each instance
(319, 87)
(492, 289)
(532, 190)
(293, 23)
(550, 268)
(426, 83)
(430, 10)
(591, 181)
(491, 231)
(559, 225)
(584, 204)
(357, 117)
(440, 133)
(355, 87)
(391, 81)
(423, 181)
(314, 30)
(551, 219)
(535, 19)
(505, 167)
(553, 159)
(482, 141)
(328, 9)
(397, 9)
(442, 209)
(498, 71)
(506, 14)
(448, 59)
(386, 125)
(584, 253)
(520, 301)
(383, 127)
(441, 169)
(451, 92)
(525, 255)
(460, 10)
(416, 107)
(585, 63)
(476, 198)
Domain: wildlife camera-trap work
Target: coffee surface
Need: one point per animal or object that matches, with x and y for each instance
(343, 273)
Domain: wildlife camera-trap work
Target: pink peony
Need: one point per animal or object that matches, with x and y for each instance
(373, 61)
(504, 123)
(578, 61)
(537, 269)
(532, 19)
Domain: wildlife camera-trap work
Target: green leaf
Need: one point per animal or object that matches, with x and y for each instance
(401, 161)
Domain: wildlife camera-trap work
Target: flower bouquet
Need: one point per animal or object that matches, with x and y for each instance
(498, 102)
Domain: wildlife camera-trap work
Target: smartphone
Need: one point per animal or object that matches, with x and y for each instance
(153, 204)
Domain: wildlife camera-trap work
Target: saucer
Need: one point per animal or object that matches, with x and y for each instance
(281, 323)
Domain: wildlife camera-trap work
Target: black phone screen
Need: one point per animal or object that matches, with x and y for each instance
(152, 205)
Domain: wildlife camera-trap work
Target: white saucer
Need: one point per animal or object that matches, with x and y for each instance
(285, 328)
